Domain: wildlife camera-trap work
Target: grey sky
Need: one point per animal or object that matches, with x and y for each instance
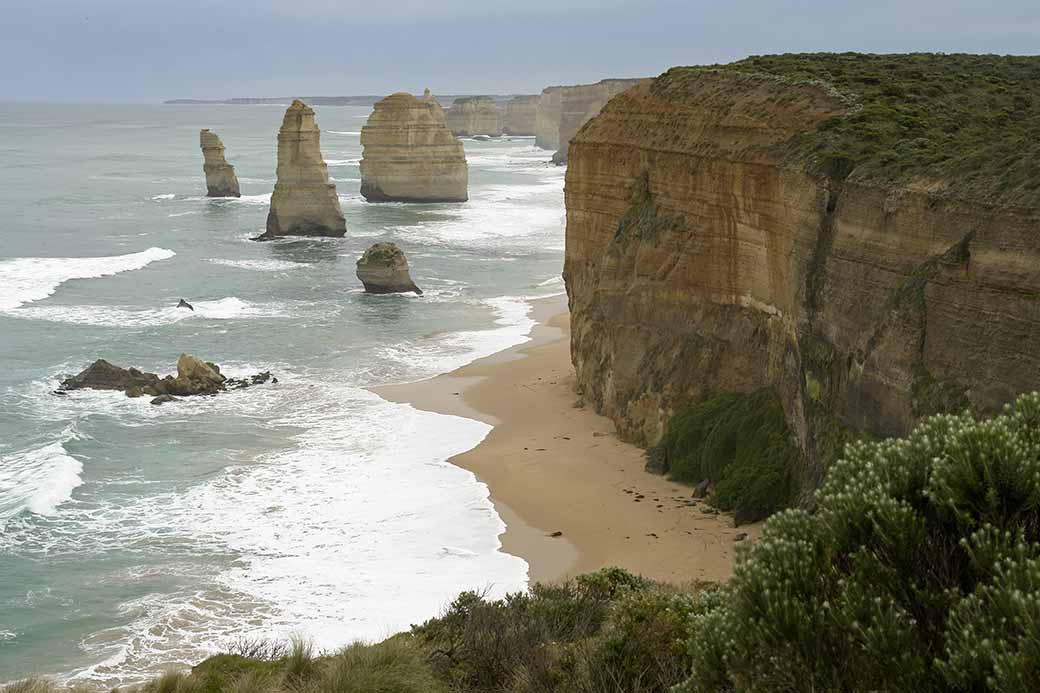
(157, 49)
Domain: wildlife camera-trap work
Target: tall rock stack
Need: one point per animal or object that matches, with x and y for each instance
(429, 98)
(410, 155)
(474, 115)
(304, 202)
(220, 175)
(580, 104)
(521, 115)
(547, 121)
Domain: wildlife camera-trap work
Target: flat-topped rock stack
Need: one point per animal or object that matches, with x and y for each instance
(474, 115)
(410, 155)
(580, 104)
(521, 115)
(383, 269)
(221, 180)
(304, 202)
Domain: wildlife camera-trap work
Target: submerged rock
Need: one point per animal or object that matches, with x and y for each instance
(221, 180)
(194, 377)
(304, 202)
(410, 155)
(474, 115)
(383, 269)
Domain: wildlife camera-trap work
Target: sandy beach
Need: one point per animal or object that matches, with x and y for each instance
(574, 497)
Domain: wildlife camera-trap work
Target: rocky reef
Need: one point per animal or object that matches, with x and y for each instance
(304, 202)
(383, 269)
(521, 115)
(410, 155)
(221, 180)
(474, 115)
(580, 104)
(858, 234)
(194, 377)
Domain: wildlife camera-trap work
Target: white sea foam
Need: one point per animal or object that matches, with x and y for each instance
(38, 479)
(342, 132)
(230, 308)
(342, 162)
(259, 265)
(31, 279)
(167, 196)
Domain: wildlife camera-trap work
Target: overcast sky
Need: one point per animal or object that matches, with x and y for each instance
(150, 50)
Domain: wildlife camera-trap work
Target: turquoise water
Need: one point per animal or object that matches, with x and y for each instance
(133, 537)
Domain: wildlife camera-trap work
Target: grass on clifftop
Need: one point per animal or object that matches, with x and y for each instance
(969, 122)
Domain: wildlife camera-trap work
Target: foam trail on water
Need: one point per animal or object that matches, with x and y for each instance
(38, 479)
(28, 279)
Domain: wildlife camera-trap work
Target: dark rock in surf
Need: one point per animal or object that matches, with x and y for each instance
(184, 304)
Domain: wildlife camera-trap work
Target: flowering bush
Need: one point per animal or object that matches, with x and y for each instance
(918, 571)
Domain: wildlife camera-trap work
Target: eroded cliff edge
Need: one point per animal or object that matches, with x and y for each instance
(812, 224)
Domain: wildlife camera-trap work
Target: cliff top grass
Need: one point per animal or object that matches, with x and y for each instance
(959, 125)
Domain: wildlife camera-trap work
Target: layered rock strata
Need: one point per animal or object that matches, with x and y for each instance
(383, 269)
(521, 115)
(410, 155)
(580, 104)
(304, 202)
(474, 115)
(701, 259)
(221, 180)
(194, 377)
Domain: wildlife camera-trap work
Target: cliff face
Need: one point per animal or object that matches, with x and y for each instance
(304, 202)
(547, 120)
(580, 104)
(702, 259)
(474, 115)
(410, 155)
(521, 115)
(221, 180)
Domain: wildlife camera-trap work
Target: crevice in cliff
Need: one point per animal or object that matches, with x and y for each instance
(817, 270)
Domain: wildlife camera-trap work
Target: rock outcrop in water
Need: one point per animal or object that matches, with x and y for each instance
(521, 115)
(221, 180)
(383, 269)
(743, 228)
(304, 202)
(474, 115)
(410, 155)
(194, 377)
(580, 104)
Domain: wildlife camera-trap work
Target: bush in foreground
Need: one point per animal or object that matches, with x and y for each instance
(919, 570)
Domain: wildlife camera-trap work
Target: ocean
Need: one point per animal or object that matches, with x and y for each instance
(134, 537)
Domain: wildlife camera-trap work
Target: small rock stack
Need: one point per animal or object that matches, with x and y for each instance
(221, 180)
(383, 269)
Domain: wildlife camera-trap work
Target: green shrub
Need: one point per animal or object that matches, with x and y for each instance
(741, 443)
(918, 571)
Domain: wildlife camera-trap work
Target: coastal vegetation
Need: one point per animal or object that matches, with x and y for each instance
(919, 569)
(965, 125)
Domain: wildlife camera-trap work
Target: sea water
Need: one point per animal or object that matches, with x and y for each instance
(134, 537)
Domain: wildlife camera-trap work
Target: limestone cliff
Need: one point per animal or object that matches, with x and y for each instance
(547, 119)
(410, 155)
(521, 115)
(859, 233)
(221, 180)
(304, 202)
(580, 104)
(474, 115)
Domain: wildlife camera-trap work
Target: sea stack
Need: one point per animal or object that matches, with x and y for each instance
(547, 120)
(220, 175)
(474, 115)
(383, 269)
(521, 115)
(410, 155)
(304, 202)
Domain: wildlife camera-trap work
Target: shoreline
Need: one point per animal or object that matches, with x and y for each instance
(574, 497)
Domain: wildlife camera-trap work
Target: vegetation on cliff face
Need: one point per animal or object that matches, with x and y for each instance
(740, 442)
(963, 125)
(919, 570)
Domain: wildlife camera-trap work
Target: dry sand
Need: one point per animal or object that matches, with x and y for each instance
(554, 466)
